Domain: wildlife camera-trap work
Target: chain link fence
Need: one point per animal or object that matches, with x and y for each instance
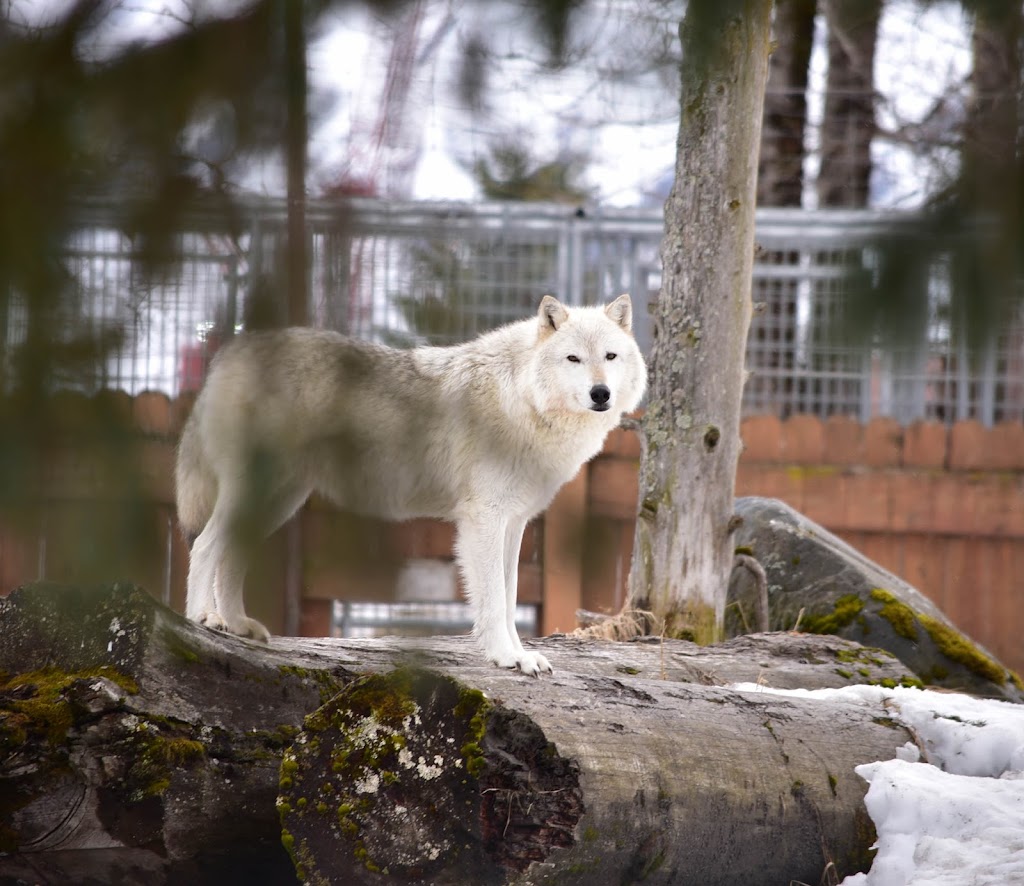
(408, 273)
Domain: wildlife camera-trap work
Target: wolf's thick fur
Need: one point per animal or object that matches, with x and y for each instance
(482, 434)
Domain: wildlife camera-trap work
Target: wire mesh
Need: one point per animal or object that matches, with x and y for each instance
(415, 273)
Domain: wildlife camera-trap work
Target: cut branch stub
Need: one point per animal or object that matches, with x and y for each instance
(415, 776)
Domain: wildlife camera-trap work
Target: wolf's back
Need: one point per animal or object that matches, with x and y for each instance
(195, 485)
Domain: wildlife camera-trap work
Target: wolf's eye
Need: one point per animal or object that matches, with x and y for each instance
(610, 356)
(572, 358)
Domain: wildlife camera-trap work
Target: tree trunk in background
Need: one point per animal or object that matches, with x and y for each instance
(990, 171)
(780, 182)
(296, 140)
(780, 177)
(849, 119)
(683, 549)
(991, 128)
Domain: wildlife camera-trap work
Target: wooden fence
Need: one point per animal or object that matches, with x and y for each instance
(942, 507)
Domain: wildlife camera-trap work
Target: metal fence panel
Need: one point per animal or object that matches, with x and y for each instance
(408, 273)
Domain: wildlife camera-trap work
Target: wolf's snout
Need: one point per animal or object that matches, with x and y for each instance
(599, 396)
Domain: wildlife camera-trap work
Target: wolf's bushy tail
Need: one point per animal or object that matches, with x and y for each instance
(195, 484)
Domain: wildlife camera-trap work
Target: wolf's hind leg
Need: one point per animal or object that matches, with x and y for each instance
(229, 587)
(229, 593)
(206, 561)
(204, 558)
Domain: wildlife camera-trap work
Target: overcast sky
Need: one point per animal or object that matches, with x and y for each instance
(613, 106)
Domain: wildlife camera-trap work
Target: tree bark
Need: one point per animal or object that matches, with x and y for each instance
(780, 177)
(848, 125)
(683, 548)
(139, 747)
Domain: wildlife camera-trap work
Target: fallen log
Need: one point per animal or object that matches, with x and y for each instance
(136, 746)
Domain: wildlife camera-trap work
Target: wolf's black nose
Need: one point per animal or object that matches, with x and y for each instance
(600, 395)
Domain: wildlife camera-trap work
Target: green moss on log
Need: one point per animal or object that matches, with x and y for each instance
(35, 703)
(158, 756)
(363, 740)
(327, 684)
(864, 655)
(473, 708)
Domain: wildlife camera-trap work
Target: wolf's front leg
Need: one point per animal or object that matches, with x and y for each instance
(481, 552)
(513, 542)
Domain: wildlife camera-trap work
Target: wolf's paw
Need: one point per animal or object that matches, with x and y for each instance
(212, 619)
(244, 627)
(532, 664)
(254, 630)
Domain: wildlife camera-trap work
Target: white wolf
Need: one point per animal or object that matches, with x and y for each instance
(482, 434)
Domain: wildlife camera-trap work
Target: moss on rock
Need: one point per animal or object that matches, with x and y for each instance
(956, 647)
(902, 618)
(843, 613)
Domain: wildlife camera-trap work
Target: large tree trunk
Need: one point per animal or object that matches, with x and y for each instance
(139, 747)
(780, 176)
(848, 125)
(683, 549)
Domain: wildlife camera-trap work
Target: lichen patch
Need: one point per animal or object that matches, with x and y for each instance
(412, 775)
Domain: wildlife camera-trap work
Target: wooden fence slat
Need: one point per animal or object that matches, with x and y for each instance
(564, 529)
(925, 445)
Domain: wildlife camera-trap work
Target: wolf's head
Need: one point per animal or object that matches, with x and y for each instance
(587, 359)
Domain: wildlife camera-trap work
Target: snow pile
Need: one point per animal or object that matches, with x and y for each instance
(949, 812)
(937, 828)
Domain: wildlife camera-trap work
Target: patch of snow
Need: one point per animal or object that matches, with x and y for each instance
(948, 813)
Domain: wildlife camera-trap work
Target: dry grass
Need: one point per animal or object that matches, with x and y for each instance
(625, 625)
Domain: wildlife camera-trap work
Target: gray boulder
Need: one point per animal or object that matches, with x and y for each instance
(818, 584)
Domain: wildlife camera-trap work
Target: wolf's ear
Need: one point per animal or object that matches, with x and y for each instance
(552, 314)
(621, 311)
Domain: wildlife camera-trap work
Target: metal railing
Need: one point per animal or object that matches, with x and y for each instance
(440, 272)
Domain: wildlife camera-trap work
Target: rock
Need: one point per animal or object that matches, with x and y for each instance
(819, 584)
